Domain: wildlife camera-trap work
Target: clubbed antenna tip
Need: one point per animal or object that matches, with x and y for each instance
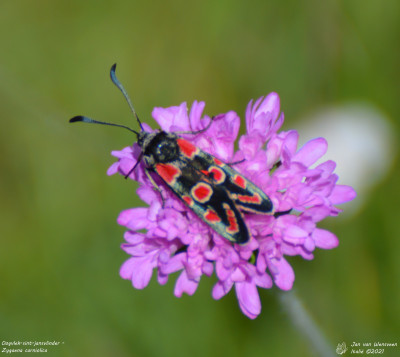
(77, 118)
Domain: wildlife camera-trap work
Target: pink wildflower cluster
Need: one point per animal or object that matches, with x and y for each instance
(169, 237)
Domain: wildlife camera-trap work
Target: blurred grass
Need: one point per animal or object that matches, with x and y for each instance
(60, 255)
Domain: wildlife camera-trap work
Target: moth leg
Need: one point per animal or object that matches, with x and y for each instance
(282, 213)
(134, 166)
(235, 162)
(130, 171)
(197, 131)
(155, 186)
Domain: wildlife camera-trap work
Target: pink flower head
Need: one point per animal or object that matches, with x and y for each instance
(167, 236)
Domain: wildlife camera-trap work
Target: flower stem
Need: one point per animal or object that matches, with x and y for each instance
(305, 324)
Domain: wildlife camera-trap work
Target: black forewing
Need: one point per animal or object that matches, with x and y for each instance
(204, 161)
(220, 201)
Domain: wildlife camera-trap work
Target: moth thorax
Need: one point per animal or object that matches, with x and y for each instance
(163, 148)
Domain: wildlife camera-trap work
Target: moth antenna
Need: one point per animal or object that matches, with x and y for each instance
(92, 121)
(124, 92)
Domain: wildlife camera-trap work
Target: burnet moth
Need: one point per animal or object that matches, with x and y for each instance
(212, 189)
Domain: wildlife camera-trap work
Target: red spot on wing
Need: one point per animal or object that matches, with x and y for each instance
(188, 200)
(202, 192)
(218, 175)
(240, 181)
(211, 216)
(187, 149)
(250, 199)
(168, 172)
(218, 162)
(233, 225)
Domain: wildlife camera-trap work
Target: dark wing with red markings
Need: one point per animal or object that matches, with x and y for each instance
(212, 203)
(213, 190)
(246, 195)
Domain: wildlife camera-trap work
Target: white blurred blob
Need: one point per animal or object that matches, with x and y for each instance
(360, 141)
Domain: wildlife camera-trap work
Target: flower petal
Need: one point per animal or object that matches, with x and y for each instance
(195, 114)
(311, 151)
(134, 218)
(172, 118)
(185, 285)
(249, 300)
(220, 289)
(324, 239)
(139, 270)
(285, 278)
(342, 194)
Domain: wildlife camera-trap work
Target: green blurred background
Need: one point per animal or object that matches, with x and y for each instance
(60, 255)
